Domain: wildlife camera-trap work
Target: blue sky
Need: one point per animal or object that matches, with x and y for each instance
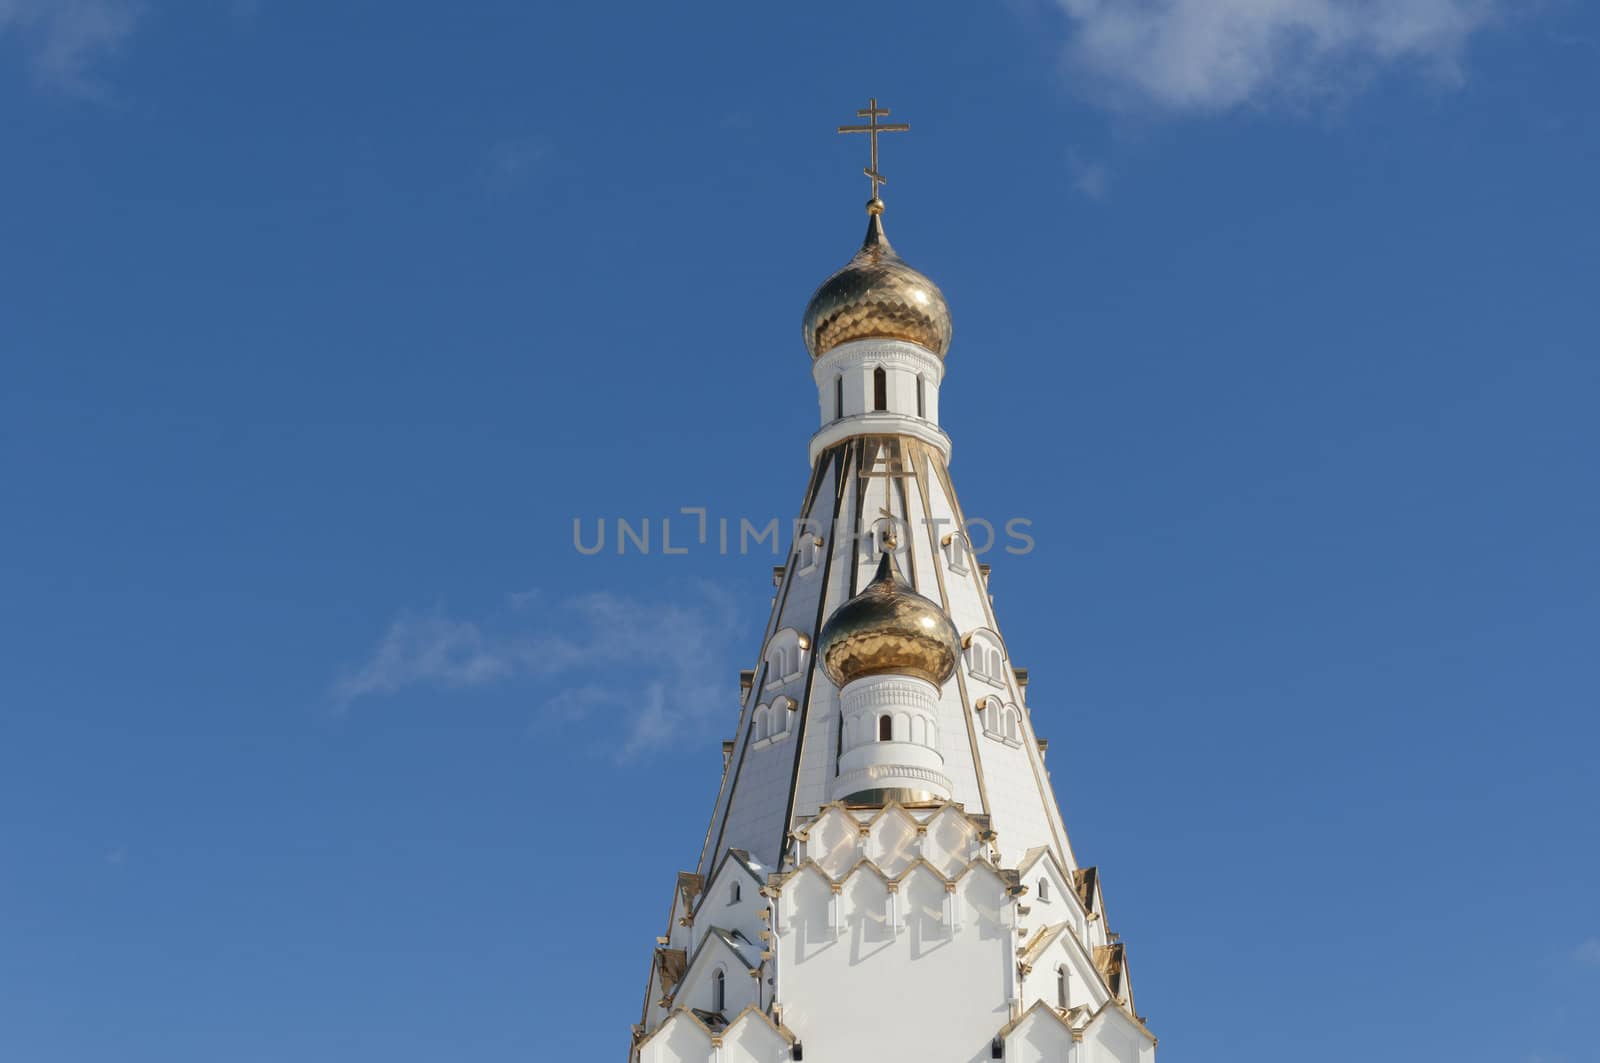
(319, 325)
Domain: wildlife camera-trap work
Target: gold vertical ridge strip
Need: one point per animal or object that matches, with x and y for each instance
(860, 445)
(731, 779)
(1047, 793)
(926, 464)
(902, 447)
(841, 462)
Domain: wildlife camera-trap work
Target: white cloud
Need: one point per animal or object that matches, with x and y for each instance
(1588, 953)
(1213, 55)
(65, 39)
(662, 667)
(425, 648)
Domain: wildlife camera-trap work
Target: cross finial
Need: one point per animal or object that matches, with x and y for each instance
(872, 113)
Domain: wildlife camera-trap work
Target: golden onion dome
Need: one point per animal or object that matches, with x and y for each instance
(877, 296)
(889, 629)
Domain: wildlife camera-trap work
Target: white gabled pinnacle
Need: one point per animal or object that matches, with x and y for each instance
(886, 875)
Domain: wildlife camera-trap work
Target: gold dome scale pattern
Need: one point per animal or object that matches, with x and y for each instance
(889, 629)
(877, 296)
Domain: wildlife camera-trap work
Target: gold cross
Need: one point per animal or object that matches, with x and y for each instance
(873, 112)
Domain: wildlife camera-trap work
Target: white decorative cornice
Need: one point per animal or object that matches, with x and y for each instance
(874, 776)
(880, 424)
(889, 690)
(859, 353)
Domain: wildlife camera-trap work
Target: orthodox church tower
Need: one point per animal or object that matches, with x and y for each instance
(886, 876)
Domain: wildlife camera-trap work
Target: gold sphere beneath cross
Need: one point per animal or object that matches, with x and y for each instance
(877, 296)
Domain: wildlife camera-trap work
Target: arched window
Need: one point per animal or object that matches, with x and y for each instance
(1044, 890)
(985, 659)
(784, 656)
(838, 396)
(880, 389)
(1063, 988)
(922, 397)
(719, 995)
(955, 552)
(734, 893)
(885, 729)
(810, 552)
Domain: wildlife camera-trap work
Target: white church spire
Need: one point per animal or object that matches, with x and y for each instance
(885, 818)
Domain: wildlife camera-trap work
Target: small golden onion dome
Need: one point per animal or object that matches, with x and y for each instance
(877, 296)
(889, 629)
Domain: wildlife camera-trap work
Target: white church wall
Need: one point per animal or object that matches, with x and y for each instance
(679, 1040)
(756, 822)
(1015, 779)
(1112, 1037)
(903, 363)
(893, 842)
(910, 757)
(719, 908)
(1058, 901)
(902, 390)
(699, 987)
(1085, 988)
(892, 839)
(751, 1039)
(822, 737)
(848, 973)
(950, 842)
(833, 841)
(1040, 1037)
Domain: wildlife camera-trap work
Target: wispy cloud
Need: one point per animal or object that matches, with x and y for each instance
(662, 666)
(1588, 953)
(64, 40)
(428, 648)
(1214, 55)
(1089, 178)
(516, 160)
